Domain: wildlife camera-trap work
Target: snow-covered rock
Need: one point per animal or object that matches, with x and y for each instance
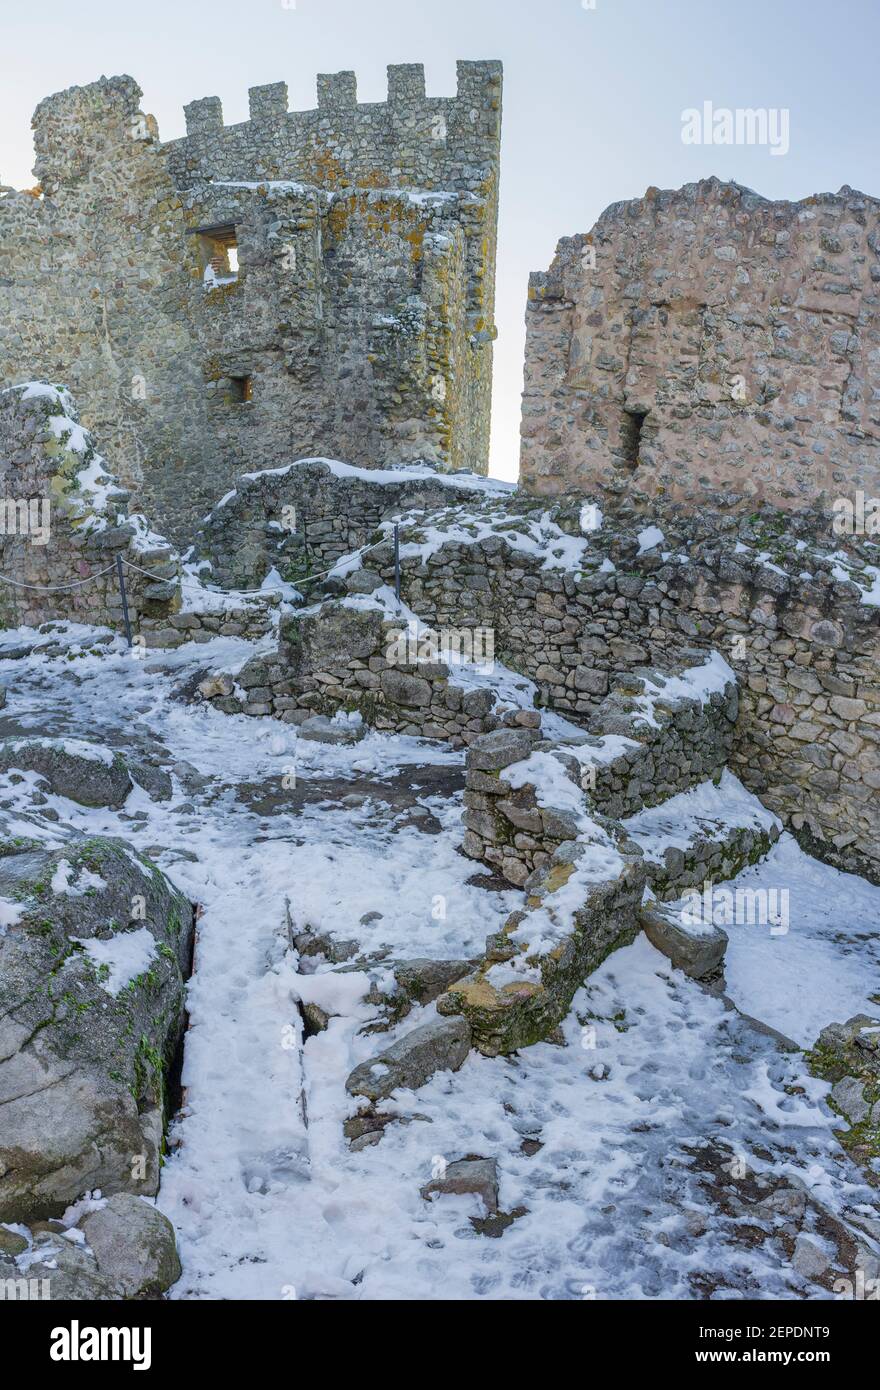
(88, 1025)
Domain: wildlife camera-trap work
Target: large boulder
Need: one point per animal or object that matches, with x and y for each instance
(83, 772)
(58, 1270)
(134, 1245)
(121, 1248)
(95, 945)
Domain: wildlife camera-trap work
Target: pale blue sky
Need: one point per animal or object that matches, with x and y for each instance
(592, 103)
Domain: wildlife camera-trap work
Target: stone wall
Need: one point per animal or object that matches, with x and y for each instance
(345, 657)
(687, 740)
(360, 320)
(803, 641)
(86, 526)
(591, 881)
(304, 518)
(794, 614)
(711, 346)
(625, 765)
(505, 827)
(63, 522)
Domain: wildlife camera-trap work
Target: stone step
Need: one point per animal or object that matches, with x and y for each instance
(710, 833)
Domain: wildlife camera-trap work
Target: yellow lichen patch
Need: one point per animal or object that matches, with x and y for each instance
(323, 168)
(220, 293)
(519, 989)
(339, 214)
(558, 877)
(375, 179)
(477, 993)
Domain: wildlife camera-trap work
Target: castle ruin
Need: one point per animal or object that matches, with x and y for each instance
(249, 487)
(317, 282)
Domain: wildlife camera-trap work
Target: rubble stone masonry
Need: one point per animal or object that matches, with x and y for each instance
(709, 346)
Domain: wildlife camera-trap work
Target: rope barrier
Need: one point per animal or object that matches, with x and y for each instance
(188, 582)
(54, 588)
(310, 579)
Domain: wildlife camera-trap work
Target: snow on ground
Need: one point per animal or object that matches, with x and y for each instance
(826, 966)
(603, 1142)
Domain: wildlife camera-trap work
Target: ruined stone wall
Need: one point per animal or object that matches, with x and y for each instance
(85, 529)
(777, 596)
(63, 522)
(515, 829)
(344, 656)
(360, 321)
(688, 742)
(709, 346)
(303, 519)
(85, 277)
(805, 645)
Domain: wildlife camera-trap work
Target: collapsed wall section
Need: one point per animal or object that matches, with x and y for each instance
(795, 614)
(655, 736)
(351, 657)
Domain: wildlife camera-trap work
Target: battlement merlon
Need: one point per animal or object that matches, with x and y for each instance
(410, 139)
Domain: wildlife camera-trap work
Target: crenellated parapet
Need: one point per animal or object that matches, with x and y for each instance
(413, 139)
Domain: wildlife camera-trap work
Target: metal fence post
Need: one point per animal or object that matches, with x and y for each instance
(397, 561)
(121, 577)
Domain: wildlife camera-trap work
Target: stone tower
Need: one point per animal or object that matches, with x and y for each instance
(302, 283)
